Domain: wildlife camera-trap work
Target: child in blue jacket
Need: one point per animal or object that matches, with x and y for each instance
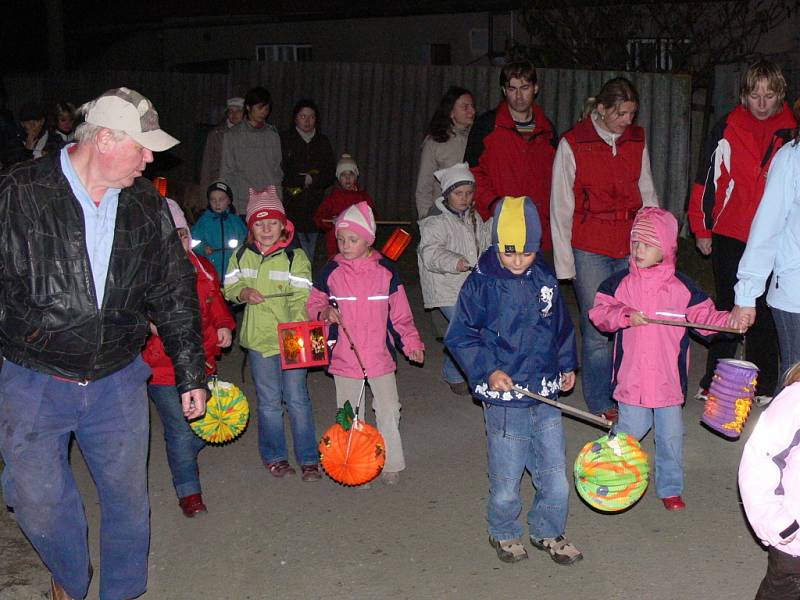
(511, 327)
(218, 230)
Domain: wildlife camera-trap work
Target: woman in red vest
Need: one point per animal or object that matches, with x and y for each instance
(601, 178)
(725, 195)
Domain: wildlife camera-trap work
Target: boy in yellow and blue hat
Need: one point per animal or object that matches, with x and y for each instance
(511, 327)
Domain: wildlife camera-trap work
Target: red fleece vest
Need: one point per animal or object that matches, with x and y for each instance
(606, 189)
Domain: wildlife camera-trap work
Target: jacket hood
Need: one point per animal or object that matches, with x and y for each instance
(665, 227)
(288, 228)
(783, 119)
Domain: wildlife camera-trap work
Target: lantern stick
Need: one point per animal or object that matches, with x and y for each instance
(706, 326)
(376, 222)
(571, 410)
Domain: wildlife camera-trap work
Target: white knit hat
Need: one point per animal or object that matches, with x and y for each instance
(236, 102)
(452, 177)
(346, 163)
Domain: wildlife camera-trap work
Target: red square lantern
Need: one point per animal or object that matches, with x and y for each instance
(303, 344)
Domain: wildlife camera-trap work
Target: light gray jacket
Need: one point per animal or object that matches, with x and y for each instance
(435, 156)
(446, 238)
(251, 158)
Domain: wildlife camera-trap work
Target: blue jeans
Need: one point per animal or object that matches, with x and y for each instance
(110, 420)
(788, 326)
(668, 421)
(519, 439)
(450, 371)
(596, 356)
(183, 445)
(274, 388)
(308, 242)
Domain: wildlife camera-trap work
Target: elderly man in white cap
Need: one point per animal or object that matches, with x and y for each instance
(212, 155)
(88, 255)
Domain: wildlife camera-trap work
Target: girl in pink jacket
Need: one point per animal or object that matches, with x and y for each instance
(651, 361)
(374, 308)
(769, 483)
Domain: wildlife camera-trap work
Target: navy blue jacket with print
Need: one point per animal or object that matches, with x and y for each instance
(516, 323)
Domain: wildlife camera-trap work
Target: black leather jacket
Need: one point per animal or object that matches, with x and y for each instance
(49, 320)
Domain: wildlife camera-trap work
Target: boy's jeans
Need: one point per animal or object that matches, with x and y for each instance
(450, 372)
(518, 439)
(183, 445)
(274, 388)
(596, 357)
(668, 422)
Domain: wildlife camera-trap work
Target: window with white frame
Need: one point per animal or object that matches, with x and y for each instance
(283, 52)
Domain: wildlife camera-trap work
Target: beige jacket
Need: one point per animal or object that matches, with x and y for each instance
(212, 156)
(562, 199)
(435, 156)
(445, 239)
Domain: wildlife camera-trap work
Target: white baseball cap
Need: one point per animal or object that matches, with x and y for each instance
(127, 110)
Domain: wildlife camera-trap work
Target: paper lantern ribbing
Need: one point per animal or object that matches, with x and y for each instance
(226, 415)
(730, 396)
(611, 473)
(351, 451)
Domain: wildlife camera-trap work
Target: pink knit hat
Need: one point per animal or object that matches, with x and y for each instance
(265, 204)
(177, 214)
(359, 219)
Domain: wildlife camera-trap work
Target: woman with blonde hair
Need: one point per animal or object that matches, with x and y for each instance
(601, 178)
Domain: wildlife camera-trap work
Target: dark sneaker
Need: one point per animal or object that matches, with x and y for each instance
(559, 548)
(460, 389)
(310, 473)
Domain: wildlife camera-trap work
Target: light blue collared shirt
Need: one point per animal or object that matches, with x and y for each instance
(99, 222)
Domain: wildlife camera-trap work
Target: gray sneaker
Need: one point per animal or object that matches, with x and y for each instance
(559, 548)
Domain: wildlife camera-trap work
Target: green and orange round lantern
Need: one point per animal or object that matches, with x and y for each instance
(612, 473)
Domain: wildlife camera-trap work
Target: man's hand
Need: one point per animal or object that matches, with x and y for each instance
(194, 403)
(704, 245)
(567, 381)
(462, 266)
(638, 319)
(224, 337)
(742, 317)
(208, 251)
(417, 356)
(499, 381)
(251, 296)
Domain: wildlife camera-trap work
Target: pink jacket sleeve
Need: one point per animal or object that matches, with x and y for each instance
(402, 321)
(706, 312)
(609, 314)
(316, 303)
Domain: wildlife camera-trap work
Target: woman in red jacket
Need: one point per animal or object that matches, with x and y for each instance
(217, 324)
(601, 178)
(725, 195)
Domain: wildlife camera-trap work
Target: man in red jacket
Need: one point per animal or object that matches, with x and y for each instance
(511, 149)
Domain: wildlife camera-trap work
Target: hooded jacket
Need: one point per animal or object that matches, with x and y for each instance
(215, 230)
(374, 307)
(516, 323)
(214, 315)
(651, 361)
(733, 171)
(446, 238)
(285, 269)
(511, 166)
(769, 473)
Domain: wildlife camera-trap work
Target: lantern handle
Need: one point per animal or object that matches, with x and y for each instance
(570, 410)
(334, 304)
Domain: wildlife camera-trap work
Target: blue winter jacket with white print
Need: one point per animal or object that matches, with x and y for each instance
(516, 323)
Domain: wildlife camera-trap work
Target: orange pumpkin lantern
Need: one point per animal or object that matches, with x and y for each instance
(351, 451)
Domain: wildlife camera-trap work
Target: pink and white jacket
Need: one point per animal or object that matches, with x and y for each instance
(374, 309)
(651, 361)
(769, 473)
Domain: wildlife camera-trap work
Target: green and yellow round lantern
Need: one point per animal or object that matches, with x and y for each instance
(611, 473)
(226, 415)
